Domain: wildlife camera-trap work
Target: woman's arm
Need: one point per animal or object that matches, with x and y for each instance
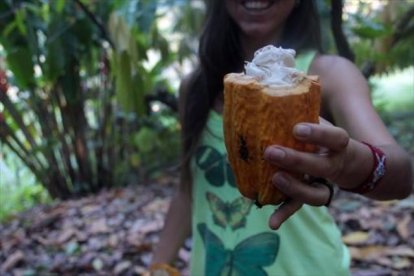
(177, 228)
(347, 99)
(344, 160)
(177, 224)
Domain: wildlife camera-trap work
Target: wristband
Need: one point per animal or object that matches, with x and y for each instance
(377, 172)
(163, 269)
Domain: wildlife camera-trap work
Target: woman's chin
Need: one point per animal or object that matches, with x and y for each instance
(260, 31)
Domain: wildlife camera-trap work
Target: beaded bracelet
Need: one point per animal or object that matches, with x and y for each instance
(377, 173)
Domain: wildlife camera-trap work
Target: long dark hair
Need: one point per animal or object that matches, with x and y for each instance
(220, 53)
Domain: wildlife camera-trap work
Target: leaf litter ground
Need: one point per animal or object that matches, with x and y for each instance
(114, 232)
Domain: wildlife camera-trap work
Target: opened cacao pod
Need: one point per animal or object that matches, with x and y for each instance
(256, 116)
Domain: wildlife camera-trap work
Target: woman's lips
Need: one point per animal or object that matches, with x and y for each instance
(257, 5)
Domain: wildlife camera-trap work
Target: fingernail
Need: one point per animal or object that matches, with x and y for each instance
(274, 225)
(276, 154)
(281, 180)
(302, 130)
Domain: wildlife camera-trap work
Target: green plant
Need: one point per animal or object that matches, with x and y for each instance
(18, 187)
(376, 35)
(78, 93)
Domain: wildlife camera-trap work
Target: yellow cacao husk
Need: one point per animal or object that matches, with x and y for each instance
(256, 116)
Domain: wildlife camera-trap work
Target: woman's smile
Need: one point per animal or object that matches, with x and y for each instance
(257, 5)
(260, 20)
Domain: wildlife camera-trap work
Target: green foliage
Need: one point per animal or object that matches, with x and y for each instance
(80, 111)
(380, 33)
(165, 145)
(383, 37)
(18, 188)
(189, 23)
(19, 198)
(394, 93)
(369, 29)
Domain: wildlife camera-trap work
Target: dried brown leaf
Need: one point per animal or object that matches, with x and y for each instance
(99, 226)
(43, 240)
(113, 240)
(9, 243)
(12, 261)
(151, 226)
(368, 253)
(157, 205)
(403, 227)
(401, 263)
(121, 267)
(354, 238)
(403, 251)
(65, 235)
(87, 210)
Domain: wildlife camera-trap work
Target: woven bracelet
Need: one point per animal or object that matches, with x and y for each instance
(377, 173)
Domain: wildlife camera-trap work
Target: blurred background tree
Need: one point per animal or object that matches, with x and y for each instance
(88, 88)
(81, 81)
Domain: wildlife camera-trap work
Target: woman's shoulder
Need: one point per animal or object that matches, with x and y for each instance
(323, 64)
(336, 72)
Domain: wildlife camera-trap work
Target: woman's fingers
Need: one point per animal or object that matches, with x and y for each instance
(309, 193)
(299, 193)
(326, 166)
(328, 162)
(281, 214)
(323, 135)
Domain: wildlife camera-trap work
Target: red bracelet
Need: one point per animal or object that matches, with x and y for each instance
(377, 173)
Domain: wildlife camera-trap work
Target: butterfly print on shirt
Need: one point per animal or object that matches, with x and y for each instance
(247, 258)
(232, 214)
(215, 165)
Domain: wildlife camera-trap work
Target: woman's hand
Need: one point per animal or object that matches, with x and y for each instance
(328, 162)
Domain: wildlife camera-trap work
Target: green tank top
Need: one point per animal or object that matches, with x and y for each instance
(231, 235)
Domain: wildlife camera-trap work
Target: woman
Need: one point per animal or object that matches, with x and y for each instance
(229, 234)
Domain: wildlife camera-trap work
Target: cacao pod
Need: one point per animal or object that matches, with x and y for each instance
(256, 116)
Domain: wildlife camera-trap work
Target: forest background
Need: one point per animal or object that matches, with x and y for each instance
(88, 107)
